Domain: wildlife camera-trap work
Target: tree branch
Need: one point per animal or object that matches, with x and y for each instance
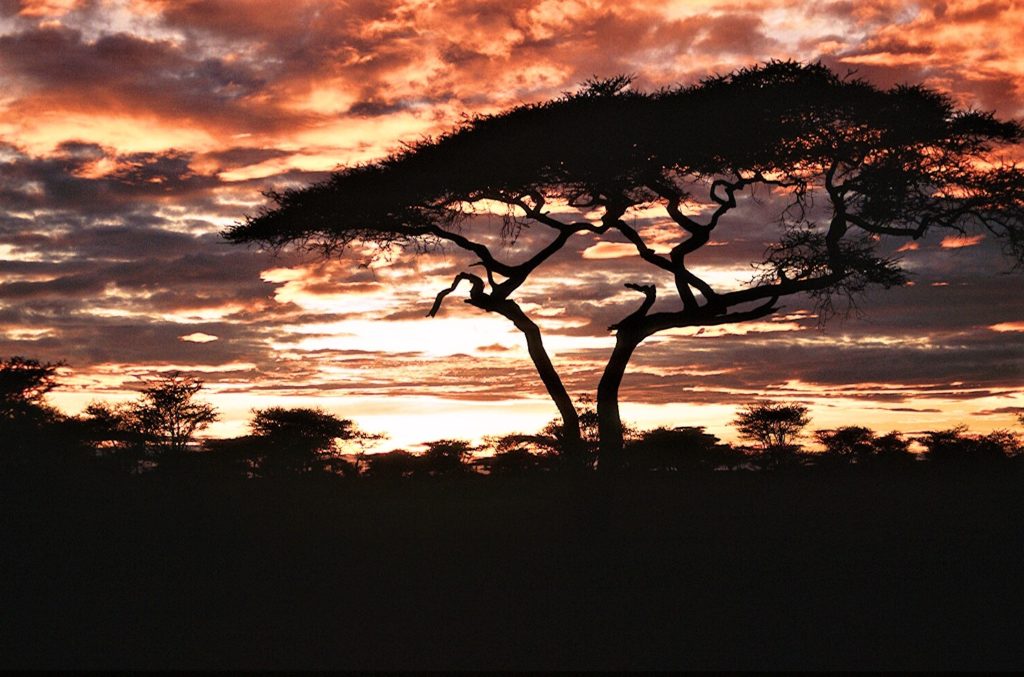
(645, 252)
(650, 293)
(704, 318)
(779, 289)
(476, 292)
(915, 232)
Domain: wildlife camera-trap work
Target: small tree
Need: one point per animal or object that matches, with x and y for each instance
(392, 464)
(115, 434)
(775, 427)
(168, 414)
(24, 384)
(30, 429)
(447, 457)
(848, 444)
(956, 445)
(515, 460)
(681, 448)
(893, 448)
(301, 440)
(772, 424)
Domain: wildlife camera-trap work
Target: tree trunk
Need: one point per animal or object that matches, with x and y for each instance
(575, 452)
(609, 423)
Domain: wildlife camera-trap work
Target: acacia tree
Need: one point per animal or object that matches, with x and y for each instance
(852, 162)
(168, 413)
(24, 384)
(773, 425)
(302, 440)
(27, 422)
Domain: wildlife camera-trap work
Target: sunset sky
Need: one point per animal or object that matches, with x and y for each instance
(134, 131)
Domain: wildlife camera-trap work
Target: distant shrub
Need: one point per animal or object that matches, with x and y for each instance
(892, 448)
(391, 464)
(848, 444)
(681, 448)
(300, 441)
(446, 457)
(772, 424)
(859, 445)
(520, 453)
(116, 439)
(517, 461)
(955, 445)
(34, 435)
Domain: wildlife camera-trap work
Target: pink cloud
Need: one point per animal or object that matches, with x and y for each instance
(960, 241)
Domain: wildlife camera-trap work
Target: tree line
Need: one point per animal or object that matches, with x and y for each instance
(157, 432)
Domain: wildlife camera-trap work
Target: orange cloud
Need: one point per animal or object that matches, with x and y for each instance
(960, 241)
(609, 250)
(1008, 326)
(48, 8)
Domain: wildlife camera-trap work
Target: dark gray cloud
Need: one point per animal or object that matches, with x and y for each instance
(59, 181)
(126, 73)
(741, 34)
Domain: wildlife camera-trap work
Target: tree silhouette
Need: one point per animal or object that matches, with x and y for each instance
(956, 445)
(392, 464)
(168, 415)
(115, 434)
(446, 457)
(681, 448)
(852, 162)
(774, 427)
(515, 459)
(301, 440)
(23, 387)
(550, 445)
(893, 448)
(847, 444)
(27, 423)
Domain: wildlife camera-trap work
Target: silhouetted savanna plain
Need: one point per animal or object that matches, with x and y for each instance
(695, 554)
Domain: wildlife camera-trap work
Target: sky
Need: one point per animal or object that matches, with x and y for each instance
(134, 131)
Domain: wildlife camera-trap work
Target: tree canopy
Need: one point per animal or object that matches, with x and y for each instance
(852, 162)
(300, 440)
(168, 413)
(23, 385)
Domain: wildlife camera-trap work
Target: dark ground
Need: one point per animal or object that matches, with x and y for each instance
(921, 569)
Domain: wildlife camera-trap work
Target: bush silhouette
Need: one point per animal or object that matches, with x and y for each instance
(33, 435)
(848, 444)
(168, 415)
(392, 464)
(299, 441)
(681, 448)
(116, 436)
(956, 445)
(775, 427)
(892, 449)
(516, 461)
(446, 457)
